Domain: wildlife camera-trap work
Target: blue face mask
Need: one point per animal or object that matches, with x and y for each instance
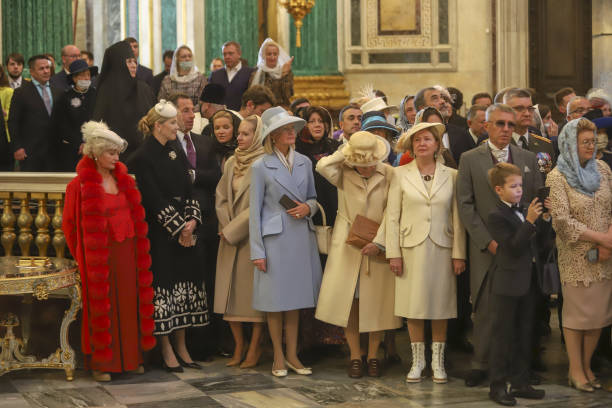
(186, 65)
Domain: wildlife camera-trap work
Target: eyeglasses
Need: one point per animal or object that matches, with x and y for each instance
(581, 111)
(521, 109)
(502, 123)
(588, 142)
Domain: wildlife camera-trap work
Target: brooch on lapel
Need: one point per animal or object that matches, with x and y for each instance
(172, 155)
(75, 102)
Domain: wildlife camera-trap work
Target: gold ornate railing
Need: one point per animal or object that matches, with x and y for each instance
(32, 206)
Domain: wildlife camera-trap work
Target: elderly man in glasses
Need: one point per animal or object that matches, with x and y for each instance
(525, 135)
(476, 199)
(577, 107)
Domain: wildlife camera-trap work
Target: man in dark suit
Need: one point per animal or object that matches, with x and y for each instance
(521, 236)
(476, 199)
(157, 79)
(70, 53)
(30, 118)
(234, 77)
(463, 140)
(143, 73)
(205, 174)
(524, 135)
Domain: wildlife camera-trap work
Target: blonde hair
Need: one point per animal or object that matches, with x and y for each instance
(147, 123)
(176, 53)
(96, 146)
(268, 144)
(585, 124)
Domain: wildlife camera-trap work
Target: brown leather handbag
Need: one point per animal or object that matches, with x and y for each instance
(363, 231)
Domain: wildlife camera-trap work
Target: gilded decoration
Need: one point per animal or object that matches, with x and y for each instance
(399, 24)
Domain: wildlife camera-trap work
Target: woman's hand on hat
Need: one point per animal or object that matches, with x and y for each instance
(287, 67)
(300, 211)
(397, 266)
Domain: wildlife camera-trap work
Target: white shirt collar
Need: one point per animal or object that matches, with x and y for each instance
(231, 72)
(516, 137)
(495, 148)
(473, 136)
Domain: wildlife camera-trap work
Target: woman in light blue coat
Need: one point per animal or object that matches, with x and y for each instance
(283, 244)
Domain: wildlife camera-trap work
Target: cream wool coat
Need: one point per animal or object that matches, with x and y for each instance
(345, 264)
(427, 288)
(234, 283)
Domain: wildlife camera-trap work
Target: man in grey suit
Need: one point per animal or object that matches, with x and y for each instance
(476, 199)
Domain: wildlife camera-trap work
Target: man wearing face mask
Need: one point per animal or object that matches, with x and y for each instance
(73, 108)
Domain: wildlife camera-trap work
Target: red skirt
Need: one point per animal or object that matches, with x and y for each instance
(123, 296)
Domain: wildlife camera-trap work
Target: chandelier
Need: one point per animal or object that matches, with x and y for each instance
(298, 9)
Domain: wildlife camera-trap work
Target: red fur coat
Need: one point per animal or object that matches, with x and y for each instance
(86, 231)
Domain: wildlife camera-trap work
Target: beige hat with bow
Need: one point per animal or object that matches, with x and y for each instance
(365, 149)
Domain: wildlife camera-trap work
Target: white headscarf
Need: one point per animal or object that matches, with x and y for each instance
(190, 76)
(275, 72)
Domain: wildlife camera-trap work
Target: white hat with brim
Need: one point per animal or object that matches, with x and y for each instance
(437, 128)
(365, 149)
(378, 104)
(99, 130)
(277, 117)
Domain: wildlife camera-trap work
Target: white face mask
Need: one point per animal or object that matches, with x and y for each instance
(186, 65)
(83, 84)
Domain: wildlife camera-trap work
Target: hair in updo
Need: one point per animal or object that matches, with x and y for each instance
(147, 123)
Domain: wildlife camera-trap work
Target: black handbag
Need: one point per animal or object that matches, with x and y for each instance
(550, 281)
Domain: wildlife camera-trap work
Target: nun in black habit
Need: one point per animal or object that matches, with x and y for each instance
(122, 99)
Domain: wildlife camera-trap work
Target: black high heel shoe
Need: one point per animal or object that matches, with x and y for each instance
(188, 365)
(177, 369)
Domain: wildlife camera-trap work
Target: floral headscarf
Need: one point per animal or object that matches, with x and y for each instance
(584, 179)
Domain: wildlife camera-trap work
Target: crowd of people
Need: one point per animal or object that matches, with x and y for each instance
(252, 209)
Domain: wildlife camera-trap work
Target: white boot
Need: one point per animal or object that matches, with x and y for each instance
(418, 363)
(437, 362)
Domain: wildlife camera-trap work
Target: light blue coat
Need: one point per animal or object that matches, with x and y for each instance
(289, 245)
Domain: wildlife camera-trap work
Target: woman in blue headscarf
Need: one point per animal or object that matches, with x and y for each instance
(581, 208)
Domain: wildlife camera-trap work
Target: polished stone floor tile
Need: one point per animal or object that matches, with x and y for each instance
(234, 383)
(13, 400)
(199, 402)
(328, 392)
(136, 393)
(150, 376)
(71, 397)
(6, 386)
(37, 381)
(270, 398)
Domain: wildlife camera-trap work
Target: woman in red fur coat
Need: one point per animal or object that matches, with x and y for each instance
(106, 232)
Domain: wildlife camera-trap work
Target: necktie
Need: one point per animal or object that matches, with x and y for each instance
(518, 207)
(46, 99)
(191, 154)
(523, 141)
(500, 155)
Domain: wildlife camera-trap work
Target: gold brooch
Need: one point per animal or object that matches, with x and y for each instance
(172, 155)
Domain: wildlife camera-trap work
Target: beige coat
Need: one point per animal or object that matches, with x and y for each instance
(234, 283)
(345, 264)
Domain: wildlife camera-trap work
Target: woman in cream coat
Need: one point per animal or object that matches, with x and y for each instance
(425, 241)
(357, 288)
(234, 283)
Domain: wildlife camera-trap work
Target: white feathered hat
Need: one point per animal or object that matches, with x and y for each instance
(92, 130)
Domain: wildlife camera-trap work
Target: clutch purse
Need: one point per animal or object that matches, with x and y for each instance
(363, 231)
(323, 233)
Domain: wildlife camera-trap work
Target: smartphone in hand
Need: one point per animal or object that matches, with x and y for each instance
(543, 193)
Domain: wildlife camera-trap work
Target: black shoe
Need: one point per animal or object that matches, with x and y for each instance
(534, 378)
(475, 377)
(188, 365)
(502, 397)
(462, 345)
(177, 369)
(527, 391)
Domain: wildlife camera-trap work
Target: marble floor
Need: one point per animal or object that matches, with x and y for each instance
(219, 386)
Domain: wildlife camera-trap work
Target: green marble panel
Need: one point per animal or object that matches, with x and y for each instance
(168, 23)
(319, 52)
(232, 20)
(35, 27)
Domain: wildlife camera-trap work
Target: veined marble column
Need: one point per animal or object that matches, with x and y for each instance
(602, 44)
(512, 33)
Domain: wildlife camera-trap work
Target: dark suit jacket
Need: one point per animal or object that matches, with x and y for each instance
(207, 176)
(519, 243)
(144, 74)
(61, 81)
(30, 127)
(234, 89)
(156, 83)
(460, 141)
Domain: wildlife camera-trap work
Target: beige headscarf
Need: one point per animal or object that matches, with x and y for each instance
(244, 158)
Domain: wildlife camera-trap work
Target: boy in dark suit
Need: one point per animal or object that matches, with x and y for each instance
(513, 275)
